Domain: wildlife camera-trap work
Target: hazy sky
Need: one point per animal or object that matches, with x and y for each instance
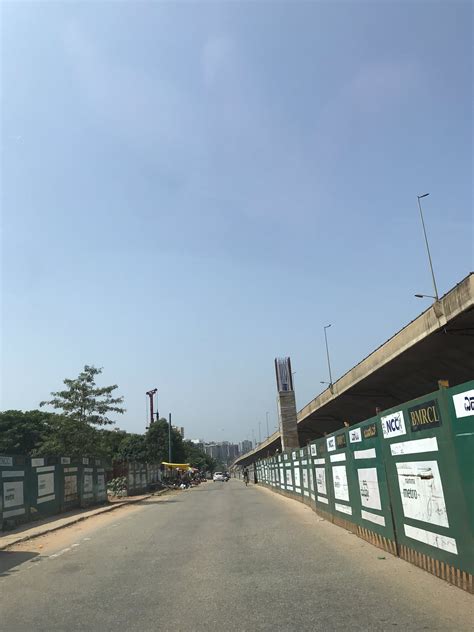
(191, 189)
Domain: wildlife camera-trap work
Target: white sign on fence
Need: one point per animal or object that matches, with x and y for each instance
(12, 494)
(369, 488)
(393, 425)
(464, 403)
(355, 435)
(421, 491)
(339, 477)
(45, 484)
(321, 480)
(88, 483)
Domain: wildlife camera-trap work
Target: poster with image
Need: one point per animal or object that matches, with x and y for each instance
(12, 494)
(369, 488)
(421, 492)
(70, 486)
(321, 480)
(45, 484)
(88, 483)
(339, 477)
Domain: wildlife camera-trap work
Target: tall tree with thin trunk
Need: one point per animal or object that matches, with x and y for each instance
(85, 402)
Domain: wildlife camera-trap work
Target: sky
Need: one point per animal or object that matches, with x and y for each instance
(190, 190)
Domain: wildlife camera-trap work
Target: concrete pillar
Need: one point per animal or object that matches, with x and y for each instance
(286, 404)
(288, 425)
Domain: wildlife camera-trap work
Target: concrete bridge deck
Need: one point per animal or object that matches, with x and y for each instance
(438, 344)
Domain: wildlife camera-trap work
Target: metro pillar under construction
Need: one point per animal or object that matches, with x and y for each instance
(286, 404)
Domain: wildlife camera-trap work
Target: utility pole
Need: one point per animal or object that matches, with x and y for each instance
(169, 440)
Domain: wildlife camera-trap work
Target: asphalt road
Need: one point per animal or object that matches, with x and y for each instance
(219, 557)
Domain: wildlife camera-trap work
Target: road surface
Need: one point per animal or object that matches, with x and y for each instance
(220, 557)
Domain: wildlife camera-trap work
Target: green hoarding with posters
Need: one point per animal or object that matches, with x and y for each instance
(372, 506)
(429, 469)
(14, 505)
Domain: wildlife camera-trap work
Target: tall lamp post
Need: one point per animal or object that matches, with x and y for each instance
(268, 430)
(327, 353)
(169, 439)
(436, 296)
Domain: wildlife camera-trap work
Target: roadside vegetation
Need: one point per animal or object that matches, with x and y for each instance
(81, 427)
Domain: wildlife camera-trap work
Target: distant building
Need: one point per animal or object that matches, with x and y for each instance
(199, 443)
(246, 446)
(224, 452)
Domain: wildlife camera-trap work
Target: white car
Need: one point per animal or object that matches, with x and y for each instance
(218, 476)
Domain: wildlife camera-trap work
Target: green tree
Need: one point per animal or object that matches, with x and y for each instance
(197, 458)
(110, 441)
(133, 447)
(65, 436)
(21, 432)
(83, 401)
(157, 442)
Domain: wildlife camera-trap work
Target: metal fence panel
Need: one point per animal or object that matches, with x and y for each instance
(14, 506)
(43, 488)
(427, 484)
(69, 483)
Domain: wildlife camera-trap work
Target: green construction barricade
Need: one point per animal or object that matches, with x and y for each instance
(324, 501)
(100, 487)
(460, 401)
(305, 467)
(372, 511)
(343, 489)
(152, 475)
(144, 478)
(69, 483)
(276, 473)
(44, 487)
(14, 507)
(131, 479)
(429, 487)
(86, 490)
(311, 451)
(288, 465)
(281, 472)
(296, 474)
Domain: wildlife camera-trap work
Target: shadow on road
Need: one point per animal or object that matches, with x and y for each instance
(10, 559)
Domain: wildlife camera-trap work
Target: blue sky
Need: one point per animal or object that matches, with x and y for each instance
(191, 189)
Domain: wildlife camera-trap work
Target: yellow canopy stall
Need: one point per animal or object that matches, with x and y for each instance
(177, 466)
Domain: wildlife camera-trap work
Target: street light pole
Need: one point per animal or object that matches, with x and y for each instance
(427, 245)
(268, 431)
(169, 439)
(327, 353)
(259, 432)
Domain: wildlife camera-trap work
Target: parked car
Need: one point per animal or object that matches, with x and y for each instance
(218, 476)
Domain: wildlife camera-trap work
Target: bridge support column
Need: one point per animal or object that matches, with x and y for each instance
(286, 404)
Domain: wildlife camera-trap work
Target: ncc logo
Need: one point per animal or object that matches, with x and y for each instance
(393, 425)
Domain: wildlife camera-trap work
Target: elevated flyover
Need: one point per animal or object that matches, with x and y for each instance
(438, 344)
